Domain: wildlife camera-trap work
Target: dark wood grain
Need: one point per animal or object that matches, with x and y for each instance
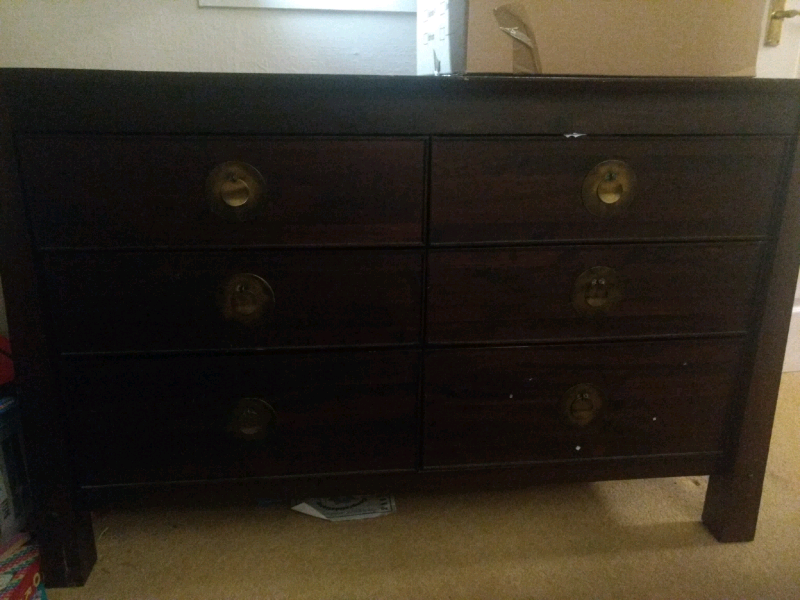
(63, 532)
(440, 481)
(57, 100)
(129, 373)
(526, 293)
(171, 301)
(140, 420)
(505, 405)
(149, 191)
(530, 189)
(734, 494)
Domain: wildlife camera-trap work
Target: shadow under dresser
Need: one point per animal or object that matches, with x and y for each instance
(294, 285)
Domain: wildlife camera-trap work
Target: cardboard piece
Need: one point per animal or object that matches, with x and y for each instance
(593, 37)
(512, 20)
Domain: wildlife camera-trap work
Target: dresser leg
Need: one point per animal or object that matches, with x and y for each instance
(731, 508)
(734, 495)
(68, 552)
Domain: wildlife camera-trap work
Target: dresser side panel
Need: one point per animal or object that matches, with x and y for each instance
(734, 494)
(63, 532)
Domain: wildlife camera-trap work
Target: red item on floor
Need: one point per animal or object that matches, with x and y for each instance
(20, 577)
(6, 364)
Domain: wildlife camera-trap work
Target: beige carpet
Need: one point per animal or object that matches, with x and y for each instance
(632, 539)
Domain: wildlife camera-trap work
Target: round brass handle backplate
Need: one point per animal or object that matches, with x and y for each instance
(235, 191)
(596, 290)
(253, 419)
(581, 404)
(246, 298)
(608, 188)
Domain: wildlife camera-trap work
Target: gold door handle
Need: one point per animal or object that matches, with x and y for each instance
(608, 188)
(235, 191)
(777, 14)
(247, 299)
(253, 419)
(596, 291)
(581, 404)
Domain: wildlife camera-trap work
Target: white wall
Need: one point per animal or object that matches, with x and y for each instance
(176, 35)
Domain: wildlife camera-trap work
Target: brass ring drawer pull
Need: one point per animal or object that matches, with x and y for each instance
(246, 298)
(235, 191)
(596, 290)
(253, 419)
(608, 188)
(581, 404)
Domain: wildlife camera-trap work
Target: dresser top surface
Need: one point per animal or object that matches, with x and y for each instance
(89, 101)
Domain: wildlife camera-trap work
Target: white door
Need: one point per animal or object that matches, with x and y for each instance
(783, 61)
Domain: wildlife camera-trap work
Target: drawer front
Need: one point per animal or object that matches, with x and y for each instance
(189, 418)
(574, 292)
(198, 300)
(135, 191)
(571, 402)
(507, 190)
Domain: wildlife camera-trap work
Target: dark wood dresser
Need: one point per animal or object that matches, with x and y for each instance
(300, 285)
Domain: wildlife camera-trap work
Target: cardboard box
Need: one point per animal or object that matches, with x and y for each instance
(589, 37)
